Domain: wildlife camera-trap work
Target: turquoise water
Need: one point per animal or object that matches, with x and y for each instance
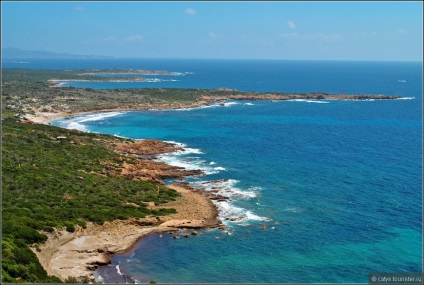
(337, 184)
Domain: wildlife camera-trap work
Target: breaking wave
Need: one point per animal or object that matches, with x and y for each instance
(77, 122)
(226, 191)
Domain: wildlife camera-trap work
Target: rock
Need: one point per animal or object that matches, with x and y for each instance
(195, 233)
(92, 267)
(175, 237)
(148, 147)
(147, 221)
(220, 198)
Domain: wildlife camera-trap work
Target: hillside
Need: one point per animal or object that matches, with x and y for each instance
(52, 183)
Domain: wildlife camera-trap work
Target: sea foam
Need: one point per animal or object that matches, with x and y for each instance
(228, 212)
(118, 270)
(190, 159)
(77, 122)
(308, 101)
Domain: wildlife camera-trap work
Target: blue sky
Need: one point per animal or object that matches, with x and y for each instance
(238, 30)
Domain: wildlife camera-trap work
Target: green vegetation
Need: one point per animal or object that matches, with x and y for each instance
(53, 183)
(28, 91)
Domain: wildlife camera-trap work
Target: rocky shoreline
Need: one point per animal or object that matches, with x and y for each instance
(80, 253)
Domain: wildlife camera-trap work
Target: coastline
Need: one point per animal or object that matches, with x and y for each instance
(80, 253)
(86, 249)
(45, 118)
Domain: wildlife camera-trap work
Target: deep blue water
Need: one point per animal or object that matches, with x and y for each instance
(338, 185)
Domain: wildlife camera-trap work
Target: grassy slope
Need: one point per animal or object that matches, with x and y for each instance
(48, 184)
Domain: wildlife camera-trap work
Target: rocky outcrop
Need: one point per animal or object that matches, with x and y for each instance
(147, 147)
(145, 168)
(154, 171)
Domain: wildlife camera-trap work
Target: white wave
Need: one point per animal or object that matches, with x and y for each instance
(175, 161)
(228, 212)
(176, 143)
(76, 123)
(186, 158)
(225, 104)
(406, 98)
(199, 107)
(212, 163)
(402, 80)
(187, 162)
(228, 104)
(315, 101)
(251, 216)
(308, 101)
(219, 168)
(186, 150)
(99, 116)
(227, 188)
(178, 73)
(249, 104)
(297, 100)
(118, 270)
(77, 126)
(186, 109)
(219, 104)
(154, 80)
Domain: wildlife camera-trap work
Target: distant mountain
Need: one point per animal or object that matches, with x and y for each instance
(13, 53)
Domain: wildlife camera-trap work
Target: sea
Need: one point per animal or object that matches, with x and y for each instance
(319, 191)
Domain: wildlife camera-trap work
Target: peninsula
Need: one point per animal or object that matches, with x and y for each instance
(72, 199)
(29, 92)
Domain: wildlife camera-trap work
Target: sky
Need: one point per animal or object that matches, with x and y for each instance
(380, 31)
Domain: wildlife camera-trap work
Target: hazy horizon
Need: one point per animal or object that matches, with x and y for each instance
(337, 31)
(99, 56)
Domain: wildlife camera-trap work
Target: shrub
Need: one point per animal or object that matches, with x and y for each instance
(70, 227)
